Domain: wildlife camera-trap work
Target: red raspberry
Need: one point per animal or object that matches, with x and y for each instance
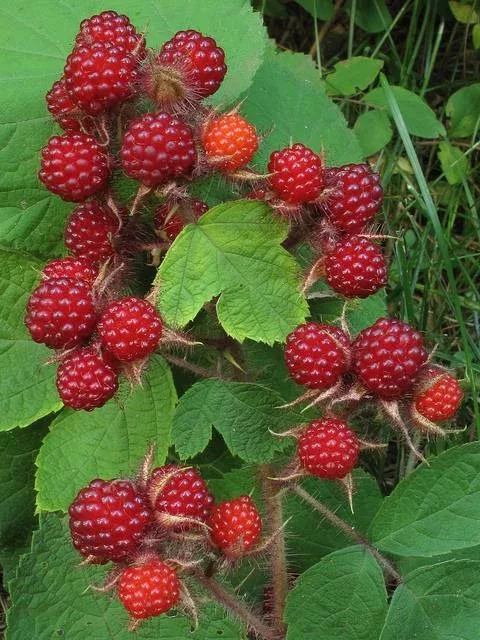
(438, 396)
(356, 268)
(297, 174)
(130, 328)
(108, 519)
(85, 380)
(75, 268)
(387, 357)
(148, 589)
(354, 196)
(156, 148)
(230, 142)
(170, 224)
(235, 525)
(91, 231)
(60, 312)
(317, 355)
(62, 107)
(185, 495)
(328, 449)
(100, 76)
(74, 166)
(109, 27)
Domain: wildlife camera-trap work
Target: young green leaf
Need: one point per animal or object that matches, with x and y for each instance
(463, 109)
(352, 75)
(372, 16)
(454, 163)
(373, 130)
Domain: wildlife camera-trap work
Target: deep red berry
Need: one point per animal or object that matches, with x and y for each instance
(62, 107)
(438, 395)
(60, 312)
(230, 142)
(90, 232)
(85, 380)
(148, 589)
(181, 493)
(75, 268)
(317, 355)
(387, 356)
(74, 166)
(353, 196)
(110, 27)
(156, 148)
(169, 224)
(356, 268)
(235, 525)
(328, 449)
(297, 174)
(108, 519)
(130, 328)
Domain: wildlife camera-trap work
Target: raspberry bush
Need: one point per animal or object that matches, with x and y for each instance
(204, 390)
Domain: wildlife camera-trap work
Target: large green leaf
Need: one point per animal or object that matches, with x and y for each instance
(463, 109)
(108, 442)
(352, 75)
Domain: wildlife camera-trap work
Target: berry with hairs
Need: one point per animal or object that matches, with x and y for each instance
(69, 267)
(62, 107)
(110, 27)
(438, 395)
(167, 222)
(230, 142)
(235, 525)
(148, 589)
(91, 231)
(297, 174)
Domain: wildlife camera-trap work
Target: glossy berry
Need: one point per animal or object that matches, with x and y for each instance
(387, 356)
(75, 268)
(110, 27)
(85, 380)
(156, 148)
(235, 525)
(230, 142)
(74, 166)
(62, 107)
(439, 396)
(168, 223)
(108, 519)
(130, 328)
(148, 589)
(297, 174)
(356, 268)
(90, 232)
(185, 494)
(60, 312)
(354, 196)
(328, 449)
(317, 355)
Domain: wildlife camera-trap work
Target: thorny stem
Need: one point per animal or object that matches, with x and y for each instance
(345, 528)
(189, 366)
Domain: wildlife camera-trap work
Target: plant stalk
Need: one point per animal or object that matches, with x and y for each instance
(189, 366)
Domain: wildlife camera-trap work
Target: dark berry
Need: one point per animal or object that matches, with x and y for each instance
(230, 142)
(148, 589)
(91, 230)
(235, 525)
(75, 268)
(167, 222)
(297, 174)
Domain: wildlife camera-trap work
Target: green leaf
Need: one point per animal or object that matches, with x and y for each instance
(419, 118)
(436, 603)
(234, 250)
(342, 597)
(359, 314)
(463, 109)
(476, 36)
(373, 130)
(464, 12)
(372, 16)
(352, 75)
(434, 510)
(319, 9)
(27, 387)
(108, 442)
(453, 161)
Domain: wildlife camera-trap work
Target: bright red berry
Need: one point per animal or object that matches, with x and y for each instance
(235, 525)
(85, 380)
(438, 395)
(328, 449)
(156, 148)
(110, 27)
(354, 196)
(387, 356)
(230, 142)
(167, 222)
(75, 268)
(62, 107)
(317, 355)
(108, 519)
(130, 328)
(74, 166)
(356, 268)
(148, 589)
(60, 312)
(91, 231)
(297, 174)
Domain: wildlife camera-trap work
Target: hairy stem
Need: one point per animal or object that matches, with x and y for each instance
(189, 366)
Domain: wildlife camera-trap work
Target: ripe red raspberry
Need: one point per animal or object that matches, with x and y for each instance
(110, 27)
(230, 142)
(167, 222)
(108, 519)
(130, 328)
(75, 268)
(148, 589)
(235, 525)
(353, 196)
(297, 174)
(74, 166)
(156, 148)
(356, 268)
(387, 357)
(184, 494)
(317, 355)
(328, 449)
(62, 107)
(60, 312)
(85, 380)
(90, 232)
(438, 395)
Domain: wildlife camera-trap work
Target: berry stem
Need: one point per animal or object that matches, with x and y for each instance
(189, 366)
